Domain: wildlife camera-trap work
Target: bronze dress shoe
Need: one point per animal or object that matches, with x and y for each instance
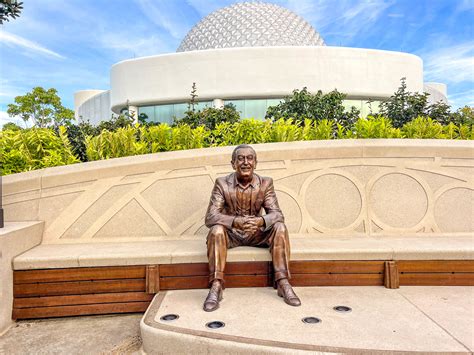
(286, 291)
(214, 296)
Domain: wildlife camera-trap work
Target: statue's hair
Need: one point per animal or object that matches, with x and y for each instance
(241, 146)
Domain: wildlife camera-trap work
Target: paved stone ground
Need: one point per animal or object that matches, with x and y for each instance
(410, 318)
(116, 334)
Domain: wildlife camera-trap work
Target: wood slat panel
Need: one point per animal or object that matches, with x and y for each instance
(344, 267)
(247, 268)
(180, 283)
(202, 269)
(247, 281)
(79, 274)
(49, 301)
(183, 283)
(436, 266)
(198, 269)
(78, 287)
(437, 279)
(64, 311)
(337, 279)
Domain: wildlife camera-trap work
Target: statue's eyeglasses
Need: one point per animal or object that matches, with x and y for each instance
(241, 158)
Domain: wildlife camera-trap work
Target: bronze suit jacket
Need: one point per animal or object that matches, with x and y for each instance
(222, 206)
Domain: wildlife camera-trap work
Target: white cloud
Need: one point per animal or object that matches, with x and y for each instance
(168, 15)
(353, 18)
(205, 7)
(4, 118)
(10, 39)
(465, 5)
(461, 99)
(8, 91)
(453, 64)
(369, 10)
(134, 46)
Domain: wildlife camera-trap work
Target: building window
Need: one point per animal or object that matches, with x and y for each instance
(251, 108)
(169, 112)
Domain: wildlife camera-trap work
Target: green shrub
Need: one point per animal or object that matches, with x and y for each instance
(158, 137)
(34, 148)
(466, 131)
(30, 149)
(185, 137)
(285, 131)
(121, 143)
(210, 117)
(251, 131)
(423, 127)
(323, 129)
(304, 105)
(374, 127)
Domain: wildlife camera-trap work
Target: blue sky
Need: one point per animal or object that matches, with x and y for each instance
(71, 44)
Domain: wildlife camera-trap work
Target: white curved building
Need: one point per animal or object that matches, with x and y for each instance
(251, 54)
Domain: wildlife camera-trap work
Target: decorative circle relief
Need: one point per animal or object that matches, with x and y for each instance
(454, 210)
(333, 201)
(398, 200)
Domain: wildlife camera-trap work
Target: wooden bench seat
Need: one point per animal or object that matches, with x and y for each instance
(99, 278)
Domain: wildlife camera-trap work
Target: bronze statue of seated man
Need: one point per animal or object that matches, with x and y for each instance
(234, 218)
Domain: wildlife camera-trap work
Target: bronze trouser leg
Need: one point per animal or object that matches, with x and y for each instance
(280, 250)
(217, 252)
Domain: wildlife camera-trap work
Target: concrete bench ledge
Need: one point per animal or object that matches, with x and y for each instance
(15, 238)
(303, 247)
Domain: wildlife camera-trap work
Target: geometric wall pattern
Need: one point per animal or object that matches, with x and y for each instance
(331, 195)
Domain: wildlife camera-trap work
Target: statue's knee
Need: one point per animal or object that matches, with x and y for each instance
(280, 228)
(217, 232)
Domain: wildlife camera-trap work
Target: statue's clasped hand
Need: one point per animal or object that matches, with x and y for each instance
(250, 225)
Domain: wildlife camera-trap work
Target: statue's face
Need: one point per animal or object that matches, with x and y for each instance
(245, 163)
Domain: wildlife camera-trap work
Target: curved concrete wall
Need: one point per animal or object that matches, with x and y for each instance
(341, 187)
(82, 96)
(95, 108)
(438, 92)
(262, 72)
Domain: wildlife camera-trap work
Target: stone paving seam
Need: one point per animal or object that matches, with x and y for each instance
(435, 322)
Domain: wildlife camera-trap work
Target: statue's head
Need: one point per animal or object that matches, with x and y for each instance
(244, 161)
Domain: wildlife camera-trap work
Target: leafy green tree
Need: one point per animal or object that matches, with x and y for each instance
(210, 117)
(440, 112)
(404, 106)
(303, 104)
(464, 116)
(42, 107)
(9, 8)
(11, 126)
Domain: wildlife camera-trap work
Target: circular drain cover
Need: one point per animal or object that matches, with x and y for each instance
(342, 309)
(311, 320)
(215, 324)
(169, 317)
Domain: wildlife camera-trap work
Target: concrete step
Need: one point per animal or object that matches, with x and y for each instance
(409, 319)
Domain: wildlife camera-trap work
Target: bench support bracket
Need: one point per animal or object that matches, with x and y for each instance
(153, 278)
(391, 279)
